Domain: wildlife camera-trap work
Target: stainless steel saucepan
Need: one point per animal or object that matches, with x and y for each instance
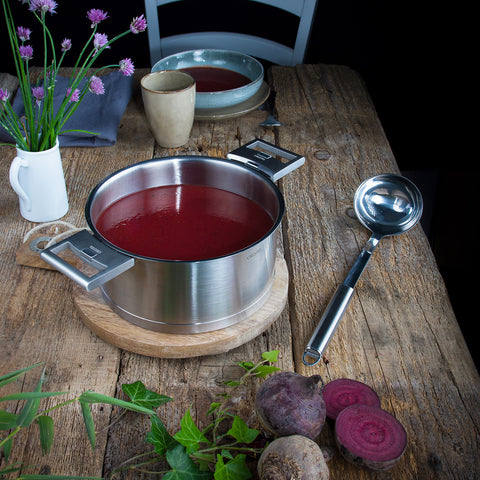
(184, 296)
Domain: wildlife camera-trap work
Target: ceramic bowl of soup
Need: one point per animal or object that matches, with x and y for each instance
(223, 77)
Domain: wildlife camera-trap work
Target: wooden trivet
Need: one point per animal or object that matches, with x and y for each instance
(110, 327)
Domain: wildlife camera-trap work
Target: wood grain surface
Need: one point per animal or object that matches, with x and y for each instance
(399, 334)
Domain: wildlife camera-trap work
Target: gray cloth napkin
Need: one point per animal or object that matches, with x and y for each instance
(96, 113)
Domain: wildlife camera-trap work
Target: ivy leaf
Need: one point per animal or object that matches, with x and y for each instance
(271, 356)
(263, 370)
(224, 395)
(159, 437)
(138, 394)
(7, 420)
(45, 424)
(235, 469)
(213, 407)
(189, 435)
(241, 432)
(183, 467)
(204, 460)
(246, 365)
(226, 454)
(232, 383)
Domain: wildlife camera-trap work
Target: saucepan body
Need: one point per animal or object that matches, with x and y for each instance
(178, 295)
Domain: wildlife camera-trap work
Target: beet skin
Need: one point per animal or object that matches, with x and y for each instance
(291, 458)
(290, 404)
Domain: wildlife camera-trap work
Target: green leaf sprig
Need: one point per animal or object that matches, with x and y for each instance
(191, 453)
(195, 454)
(11, 423)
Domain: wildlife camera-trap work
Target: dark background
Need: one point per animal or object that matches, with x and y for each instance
(409, 55)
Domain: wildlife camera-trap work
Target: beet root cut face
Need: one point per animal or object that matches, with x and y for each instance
(369, 436)
(343, 392)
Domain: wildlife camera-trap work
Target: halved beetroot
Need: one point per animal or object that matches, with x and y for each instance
(343, 392)
(370, 437)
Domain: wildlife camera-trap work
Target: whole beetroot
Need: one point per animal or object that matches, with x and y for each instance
(290, 404)
(292, 458)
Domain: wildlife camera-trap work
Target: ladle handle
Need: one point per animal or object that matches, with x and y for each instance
(327, 325)
(338, 304)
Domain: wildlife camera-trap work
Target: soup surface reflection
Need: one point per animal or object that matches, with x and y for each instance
(183, 222)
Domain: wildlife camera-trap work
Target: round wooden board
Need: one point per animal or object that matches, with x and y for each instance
(110, 327)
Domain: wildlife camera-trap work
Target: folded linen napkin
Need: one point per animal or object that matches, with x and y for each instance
(100, 114)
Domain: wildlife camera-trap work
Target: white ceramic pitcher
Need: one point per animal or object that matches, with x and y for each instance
(38, 180)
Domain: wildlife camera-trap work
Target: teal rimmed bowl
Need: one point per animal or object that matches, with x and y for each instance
(228, 59)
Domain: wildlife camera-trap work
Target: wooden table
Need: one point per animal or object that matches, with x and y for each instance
(399, 333)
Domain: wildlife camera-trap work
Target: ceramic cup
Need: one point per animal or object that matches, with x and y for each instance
(169, 102)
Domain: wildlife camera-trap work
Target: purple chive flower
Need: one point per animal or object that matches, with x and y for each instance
(38, 93)
(66, 45)
(23, 33)
(96, 85)
(26, 52)
(4, 94)
(75, 95)
(43, 6)
(139, 24)
(126, 67)
(99, 41)
(96, 16)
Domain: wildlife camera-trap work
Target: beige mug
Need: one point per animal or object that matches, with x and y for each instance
(169, 102)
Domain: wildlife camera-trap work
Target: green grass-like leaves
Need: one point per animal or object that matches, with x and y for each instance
(190, 453)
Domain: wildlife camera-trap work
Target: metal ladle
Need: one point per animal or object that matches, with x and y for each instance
(387, 205)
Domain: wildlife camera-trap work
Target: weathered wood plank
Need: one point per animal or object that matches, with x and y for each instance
(396, 336)
(39, 321)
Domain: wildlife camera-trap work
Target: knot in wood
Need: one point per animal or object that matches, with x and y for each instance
(350, 212)
(323, 155)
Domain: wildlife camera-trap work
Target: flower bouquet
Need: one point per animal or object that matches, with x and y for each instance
(38, 129)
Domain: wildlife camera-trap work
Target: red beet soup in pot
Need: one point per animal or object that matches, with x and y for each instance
(183, 222)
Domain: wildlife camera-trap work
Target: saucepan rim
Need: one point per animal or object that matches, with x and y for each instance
(184, 158)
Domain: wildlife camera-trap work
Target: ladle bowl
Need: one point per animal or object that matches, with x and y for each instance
(386, 204)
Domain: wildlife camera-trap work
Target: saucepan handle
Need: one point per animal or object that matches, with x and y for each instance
(257, 154)
(109, 262)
